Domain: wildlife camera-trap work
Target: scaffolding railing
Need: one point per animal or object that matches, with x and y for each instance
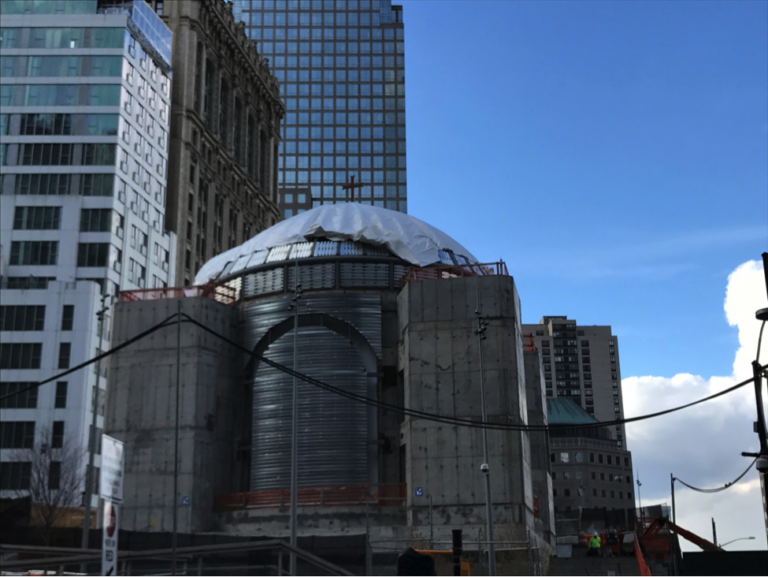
(392, 495)
(416, 273)
(218, 292)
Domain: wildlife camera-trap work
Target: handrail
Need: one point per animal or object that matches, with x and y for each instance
(199, 550)
(218, 292)
(417, 273)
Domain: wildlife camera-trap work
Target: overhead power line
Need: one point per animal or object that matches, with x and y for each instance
(447, 420)
(718, 489)
(102, 356)
(454, 420)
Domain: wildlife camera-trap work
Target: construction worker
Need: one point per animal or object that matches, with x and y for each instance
(593, 546)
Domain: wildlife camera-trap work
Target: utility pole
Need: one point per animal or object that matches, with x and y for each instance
(89, 477)
(482, 326)
(672, 480)
(760, 426)
(176, 439)
(295, 419)
(639, 497)
(714, 532)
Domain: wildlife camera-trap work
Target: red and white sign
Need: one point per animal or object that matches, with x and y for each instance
(109, 539)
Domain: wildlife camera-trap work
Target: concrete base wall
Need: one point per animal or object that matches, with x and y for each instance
(440, 360)
(141, 411)
(319, 521)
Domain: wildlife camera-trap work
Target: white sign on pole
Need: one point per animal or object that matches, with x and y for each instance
(111, 480)
(109, 544)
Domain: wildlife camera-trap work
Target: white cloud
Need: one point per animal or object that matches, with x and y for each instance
(702, 445)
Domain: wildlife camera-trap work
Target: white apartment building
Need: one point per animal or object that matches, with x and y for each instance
(84, 133)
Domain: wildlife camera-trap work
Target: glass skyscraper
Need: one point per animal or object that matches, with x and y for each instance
(341, 65)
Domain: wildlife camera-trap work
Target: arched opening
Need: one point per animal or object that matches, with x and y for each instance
(337, 436)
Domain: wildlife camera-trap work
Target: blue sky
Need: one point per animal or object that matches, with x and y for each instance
(614, 154)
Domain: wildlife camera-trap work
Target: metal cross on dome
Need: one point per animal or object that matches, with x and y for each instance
(350, 188)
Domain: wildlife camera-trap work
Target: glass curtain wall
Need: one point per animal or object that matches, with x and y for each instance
(341, 66)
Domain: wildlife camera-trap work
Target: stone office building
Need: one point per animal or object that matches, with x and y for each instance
(588, 469)
(225, 131)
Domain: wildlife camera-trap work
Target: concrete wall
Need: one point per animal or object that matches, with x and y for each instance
(141, 412)
(540, 466)
(440, 361)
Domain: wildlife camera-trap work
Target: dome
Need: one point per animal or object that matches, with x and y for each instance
(378, 230)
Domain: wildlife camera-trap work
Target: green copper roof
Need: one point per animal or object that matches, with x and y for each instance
(567, 412)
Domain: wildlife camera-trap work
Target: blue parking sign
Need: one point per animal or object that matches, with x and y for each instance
(419, 491)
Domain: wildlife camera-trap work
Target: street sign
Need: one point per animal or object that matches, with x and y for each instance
(109, 539)
(111, 479)
(419, 491)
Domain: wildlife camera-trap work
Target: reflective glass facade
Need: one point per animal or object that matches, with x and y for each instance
(341, 65)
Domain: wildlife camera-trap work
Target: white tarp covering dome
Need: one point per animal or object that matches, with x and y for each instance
(405, 236)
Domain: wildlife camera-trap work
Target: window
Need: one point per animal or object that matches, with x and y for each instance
(22, 318)
(602, 476)
(37, 218)
(29, 282)
(20, 400)
(15, 476)
(34, 252)
(17, 434)
(563, 457)
(65, 350)
(567, 492)
(54, 474)
(20, 355)
(95, 220)
(99, 154)
(57, 438)
(61, 395)
(603, 492)
(593, 475)
(610, 460)
(67, 317)
(600, 458)
(626, 461)
(594, 492)
(552, 457)
(41, 154)
(42, 184)
(591, 457)
(96, 184)
(46, 124)
(93, 254)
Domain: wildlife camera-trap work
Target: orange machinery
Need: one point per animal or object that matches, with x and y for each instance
(656, 546)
